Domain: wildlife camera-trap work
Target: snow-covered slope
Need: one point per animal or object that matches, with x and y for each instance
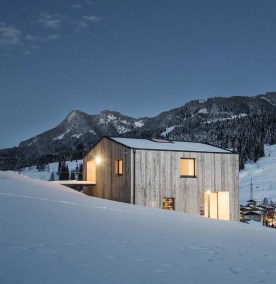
(51, 234)
(33, 172)
(263, 174)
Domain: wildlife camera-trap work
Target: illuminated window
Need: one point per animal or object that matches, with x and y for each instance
(91, 171)
(118, 167)
(168, 203)
(215, 205)
(187, 167)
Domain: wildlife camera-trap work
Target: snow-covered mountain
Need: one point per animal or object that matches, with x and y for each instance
(78, 124)
(69, 140)
(242, 124)
(51, 234)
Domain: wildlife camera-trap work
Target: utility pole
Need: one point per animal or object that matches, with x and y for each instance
(251, 190)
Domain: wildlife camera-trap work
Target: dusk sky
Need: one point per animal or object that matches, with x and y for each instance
(138, 57)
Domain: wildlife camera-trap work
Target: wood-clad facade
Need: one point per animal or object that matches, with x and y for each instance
(109, 185)
(153, 177)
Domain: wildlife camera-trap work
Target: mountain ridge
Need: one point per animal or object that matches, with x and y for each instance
(242, 124)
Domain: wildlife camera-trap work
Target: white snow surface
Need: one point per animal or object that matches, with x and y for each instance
(172, 146)
(139, 123)
(51, 234)
(168, 130)
(60, 137)
(263, 174)
(203, 110)
(111, 117)
(227, 118)
(77, 135)
(33, 172)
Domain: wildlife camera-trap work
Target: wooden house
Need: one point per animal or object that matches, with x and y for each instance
(190, 177)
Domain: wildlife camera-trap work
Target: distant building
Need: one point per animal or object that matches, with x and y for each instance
(189, 177)
(253, 215)
(252, 203)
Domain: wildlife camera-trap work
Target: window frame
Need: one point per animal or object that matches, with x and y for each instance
(194, 168)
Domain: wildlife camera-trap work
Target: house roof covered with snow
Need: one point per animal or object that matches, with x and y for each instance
(168, 145)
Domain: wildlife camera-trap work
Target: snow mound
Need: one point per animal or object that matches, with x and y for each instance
(52, 234)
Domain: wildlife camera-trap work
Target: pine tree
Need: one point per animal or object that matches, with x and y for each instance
(52, 177)
(72, 175)
(63, 171)
(80, 172)
(59, 169)
(265, 201)
(67, 174)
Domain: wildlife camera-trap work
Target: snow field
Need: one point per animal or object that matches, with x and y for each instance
(52, 234)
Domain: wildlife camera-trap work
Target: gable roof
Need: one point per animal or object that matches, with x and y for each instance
(168, 145)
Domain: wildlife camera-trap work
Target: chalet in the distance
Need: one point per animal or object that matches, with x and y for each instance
(189, 177)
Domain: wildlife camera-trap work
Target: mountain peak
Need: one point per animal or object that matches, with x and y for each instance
(110, 112)
(73, 114)
(243, 124)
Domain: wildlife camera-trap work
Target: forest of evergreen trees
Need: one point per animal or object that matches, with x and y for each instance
(241, 124)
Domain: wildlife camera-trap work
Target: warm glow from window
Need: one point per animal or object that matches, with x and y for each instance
(187, 167)
(215, 205)
(118, 167)
(168, 203)
(91, 171)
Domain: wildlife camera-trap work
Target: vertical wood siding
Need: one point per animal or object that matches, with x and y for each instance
(157, 176)
(109, 185)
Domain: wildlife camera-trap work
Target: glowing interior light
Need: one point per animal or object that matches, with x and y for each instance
(98, 160)
(208, 191)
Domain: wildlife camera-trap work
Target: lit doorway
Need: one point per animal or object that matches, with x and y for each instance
(215, 205)
(91, 171)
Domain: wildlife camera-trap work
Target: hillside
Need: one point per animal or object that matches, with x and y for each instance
(263, 177)
(50, 234)
(242, 124)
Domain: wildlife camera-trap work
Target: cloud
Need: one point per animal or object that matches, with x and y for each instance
(76, 6)
(92, 18)
(34, 46)
(88, 2)
(46, 28)
(79, 25)
(9, 36)
(50, 21)
(84, 22)
(53, 37)
(29, 37)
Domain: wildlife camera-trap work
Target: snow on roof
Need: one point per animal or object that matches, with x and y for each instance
(168, 145)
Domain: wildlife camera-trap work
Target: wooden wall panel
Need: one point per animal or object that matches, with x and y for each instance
(149, 176)
(109, 185)
(158, 176)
